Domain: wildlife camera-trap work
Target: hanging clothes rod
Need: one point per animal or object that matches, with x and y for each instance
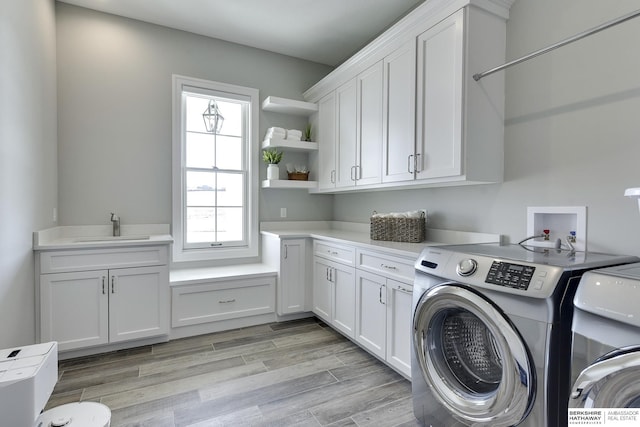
(577, 37)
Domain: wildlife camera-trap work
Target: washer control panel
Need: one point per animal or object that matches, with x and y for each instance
(510, 275)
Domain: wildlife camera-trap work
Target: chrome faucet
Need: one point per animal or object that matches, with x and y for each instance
(115, 219)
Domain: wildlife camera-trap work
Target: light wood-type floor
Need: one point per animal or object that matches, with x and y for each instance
(299, 373)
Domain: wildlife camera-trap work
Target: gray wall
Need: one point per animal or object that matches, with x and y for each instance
(114, 113)
(572, 132)
(28, 161)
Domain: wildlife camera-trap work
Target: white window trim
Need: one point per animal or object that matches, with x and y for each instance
(180, 254)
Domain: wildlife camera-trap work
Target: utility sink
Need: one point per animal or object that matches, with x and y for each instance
(110, 238)
(100, 236)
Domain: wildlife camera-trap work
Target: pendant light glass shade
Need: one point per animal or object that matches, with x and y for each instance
(212, 118)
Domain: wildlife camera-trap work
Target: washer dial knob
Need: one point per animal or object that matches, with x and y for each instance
(466, 267)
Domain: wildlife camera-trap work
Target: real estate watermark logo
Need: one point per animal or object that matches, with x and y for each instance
(616, 417)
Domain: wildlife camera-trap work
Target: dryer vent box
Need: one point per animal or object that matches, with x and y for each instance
(559, 222)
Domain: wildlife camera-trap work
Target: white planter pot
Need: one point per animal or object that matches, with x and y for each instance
(273, 172)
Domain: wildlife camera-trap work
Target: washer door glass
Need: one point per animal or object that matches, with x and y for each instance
(473, 357)
(612, 381)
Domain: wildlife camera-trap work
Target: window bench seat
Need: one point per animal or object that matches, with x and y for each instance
(213, 299)
(190, 276)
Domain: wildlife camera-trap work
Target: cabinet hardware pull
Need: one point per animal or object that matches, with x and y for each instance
(406, 291)
(227, 301)
(416, 163)
(103, 283)
(358, 172)
(333, 176)
(332, 252)
(113, 284)
(409, 163)
(380, 295)
(388, 267)
(286, 252)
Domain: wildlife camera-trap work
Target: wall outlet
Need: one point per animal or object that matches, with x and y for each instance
(283, 212)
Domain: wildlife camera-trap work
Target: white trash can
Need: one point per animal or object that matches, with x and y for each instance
(79, 414)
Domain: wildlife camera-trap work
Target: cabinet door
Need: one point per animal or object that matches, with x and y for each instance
(439, 106)
(399, 326)
(369, 126)
(327, 142)
(292, 287)
(322, 289)
(74, 309)
(344, 299)
(346, 134)
(139, 303)
(399, 114)
(371, 312)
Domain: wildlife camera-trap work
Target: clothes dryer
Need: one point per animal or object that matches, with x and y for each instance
(491, 333)
(606, 339)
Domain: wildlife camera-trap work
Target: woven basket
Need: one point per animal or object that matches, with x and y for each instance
(298, 176)
(410, 230)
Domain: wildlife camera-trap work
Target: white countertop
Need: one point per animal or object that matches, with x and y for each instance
(358, 234)
(99, 236)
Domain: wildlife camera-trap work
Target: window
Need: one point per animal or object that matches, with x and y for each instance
(215, 181)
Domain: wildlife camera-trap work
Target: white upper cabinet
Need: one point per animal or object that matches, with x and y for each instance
(399, 113)
(350, 128)
(460, 122)
(326, 133)
(346, 141)
(439, 99)
(368, 166)
(439, 126)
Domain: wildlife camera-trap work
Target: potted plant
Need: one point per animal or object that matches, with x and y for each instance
(307, 133)
(272, 157)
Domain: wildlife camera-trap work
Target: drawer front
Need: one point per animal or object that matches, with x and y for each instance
(210, 302)
(342, 254)
(387, 265)
(98, 259)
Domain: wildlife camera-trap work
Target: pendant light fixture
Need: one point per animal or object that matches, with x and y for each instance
(212, 118)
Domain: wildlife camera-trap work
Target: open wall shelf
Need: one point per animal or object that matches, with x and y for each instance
(288, 183)
(289, 106)
(288, 145)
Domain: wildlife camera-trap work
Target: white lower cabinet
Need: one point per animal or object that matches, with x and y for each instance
(292, 294)
(367, 296)
(73, 309)
(138, 303)
(86, 300)
(90, 308)
(399, 320)
(289, 258)
(371, 330)
(383, 319)
(344, 299)
(322, 289)
(334, 296)
(334, 283)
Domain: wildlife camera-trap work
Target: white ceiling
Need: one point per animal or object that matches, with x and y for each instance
(324, 31)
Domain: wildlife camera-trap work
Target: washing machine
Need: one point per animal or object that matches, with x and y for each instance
(606, 339)
(492, 331)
